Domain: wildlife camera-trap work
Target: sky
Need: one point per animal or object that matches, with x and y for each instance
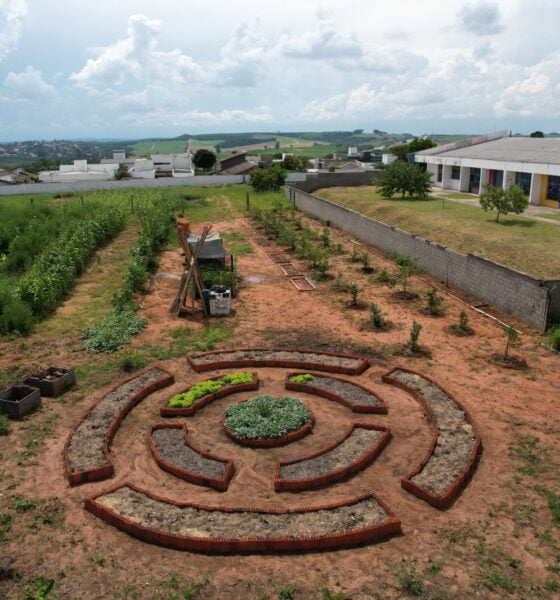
(133, 69)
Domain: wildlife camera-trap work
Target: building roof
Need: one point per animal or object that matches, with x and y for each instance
(232, 157)
(239, 169)
(505, 149)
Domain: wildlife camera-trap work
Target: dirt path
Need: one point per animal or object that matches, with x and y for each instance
(499, 534)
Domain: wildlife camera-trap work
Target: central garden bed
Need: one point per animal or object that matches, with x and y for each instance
(211, 529)
(267, 421)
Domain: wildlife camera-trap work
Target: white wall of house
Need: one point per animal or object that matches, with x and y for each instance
(387, 159)
(79, 171)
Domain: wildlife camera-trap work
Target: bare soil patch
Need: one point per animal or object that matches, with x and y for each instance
(509, 362)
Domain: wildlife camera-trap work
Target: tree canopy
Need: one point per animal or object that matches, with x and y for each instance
(204, 159)
(512, 200)
(417, 144)
(270, 179)
(400, 177)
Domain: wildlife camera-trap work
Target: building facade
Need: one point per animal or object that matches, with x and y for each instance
(499, 160)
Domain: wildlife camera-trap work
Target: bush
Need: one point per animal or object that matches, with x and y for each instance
(386, 278)
(553, 335)
(376, 316)
(463, 326)
(304, 378)
(4, 424)
(113, 332)
(414, 336)
(15, 316)
(354, 291)
(204, 159)
(434, 302)
(512, 339)
(270, 179)
(266, 417)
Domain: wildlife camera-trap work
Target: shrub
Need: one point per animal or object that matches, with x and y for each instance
(353, 290)
(414, 336)
(131, 361)
(15, 316)
(434, 302)
(113, 332)
(553, 336)
(366, 263)
(402, 178)
(304, 378)
(4, 424)
(270, 179)
(266, 417)
(355, 256)
(195, 392)
(385, 277)
(376, 316)
(286, 592)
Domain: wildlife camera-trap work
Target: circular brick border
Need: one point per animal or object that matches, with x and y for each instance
(309, 388)
(107, 470)
(221, 484)
(168, 411)
(447, 497)
(339, 474)
(223, 363)
(248, 545)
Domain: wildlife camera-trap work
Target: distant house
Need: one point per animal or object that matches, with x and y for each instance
(18, 175)
(499, 160)
(237, 164)
(80, 171)
(159, 165)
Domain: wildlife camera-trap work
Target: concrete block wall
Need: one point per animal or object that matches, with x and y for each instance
(522, 296)
(315, 181)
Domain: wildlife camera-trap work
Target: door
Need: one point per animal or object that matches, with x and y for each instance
(474, 181)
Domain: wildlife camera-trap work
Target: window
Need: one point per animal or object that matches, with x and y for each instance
(455, 172)
(440, 173)
(523, 180)
(553, 188)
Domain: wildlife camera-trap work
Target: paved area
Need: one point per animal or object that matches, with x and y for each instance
(538, 213)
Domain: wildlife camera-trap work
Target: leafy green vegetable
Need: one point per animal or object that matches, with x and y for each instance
(305, 378)
(209, 386)
(266, 417)
(238, 378)
(113, 332)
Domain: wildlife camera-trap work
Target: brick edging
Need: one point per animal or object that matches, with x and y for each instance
(218, 483)
(281, 440)
(218, 545)
(339, 474)
(308, 388)
(447, 497)
(107, 470)
(281, 364)
(167, 411)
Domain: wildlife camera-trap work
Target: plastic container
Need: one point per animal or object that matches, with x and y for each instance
(220, 303)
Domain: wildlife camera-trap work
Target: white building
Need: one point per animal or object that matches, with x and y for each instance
(499, 160)
(80, 171)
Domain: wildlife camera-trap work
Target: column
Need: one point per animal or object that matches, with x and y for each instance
(465, 179)
(445, 182)
(509, 179)
(484, 178)
(536, 189)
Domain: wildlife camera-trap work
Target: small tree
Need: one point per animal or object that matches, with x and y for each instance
(270, 179)
(512, 200)
(401, 178)
(414, 336)
(434, 301)
(353, 290)
(376, 316)
(537, 134)
(204, 159)
(122, 172)
(462, 327)
(512, 339)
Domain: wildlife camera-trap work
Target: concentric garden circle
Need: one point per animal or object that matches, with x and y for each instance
(266, 421)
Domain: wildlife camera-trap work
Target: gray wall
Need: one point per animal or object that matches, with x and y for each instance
(314, 181)
(517, 294)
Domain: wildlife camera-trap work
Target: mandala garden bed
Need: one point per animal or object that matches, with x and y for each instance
(286, 359)
(452, 455)
(350, 394)
(266, 421)
(361, 444)
(174, 454)
(202, 528)
(86, 453)
(204, 392)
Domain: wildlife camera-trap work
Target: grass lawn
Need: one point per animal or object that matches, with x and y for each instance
(523, 244)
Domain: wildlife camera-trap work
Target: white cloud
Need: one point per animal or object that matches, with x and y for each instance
(12, 14)
(192, 118)
(29, 86)
(137, 57)
(481, 18)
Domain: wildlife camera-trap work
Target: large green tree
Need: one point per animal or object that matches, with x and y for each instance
(401, 178)
(204, 159)
(512, 200)
(417, 144)
(270, 179)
